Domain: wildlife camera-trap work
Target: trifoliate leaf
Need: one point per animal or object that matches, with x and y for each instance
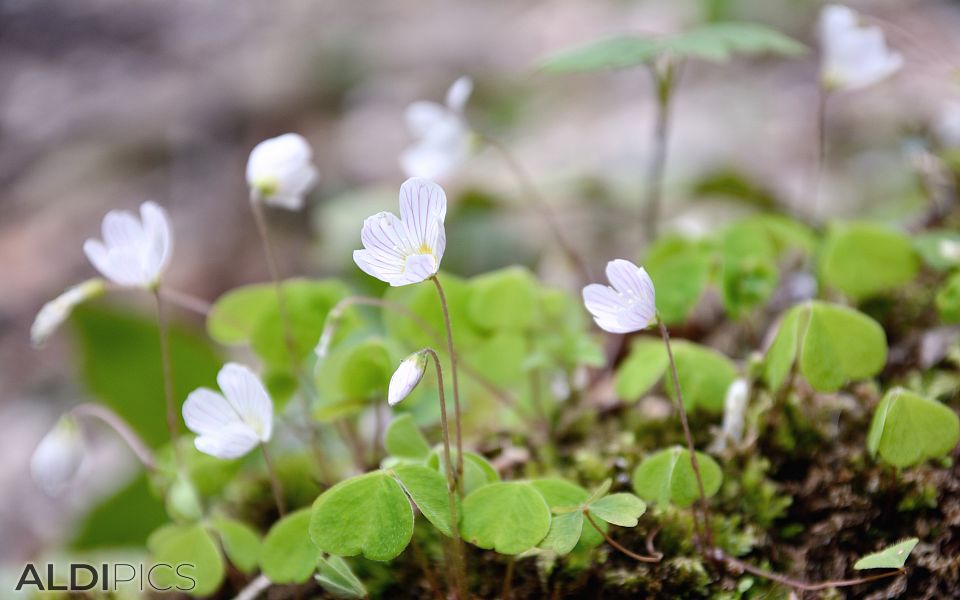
(504, 300)
(862, 260)
(240, 543)
(428, 490)
(621, 509)
(668, 476)
(288, 555)
(508, 517)
(908, 429)
(192, 547)
(368, 515)
(404, 440)
(565, 500)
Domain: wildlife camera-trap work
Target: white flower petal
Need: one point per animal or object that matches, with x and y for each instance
(947, 126)
(459, 94)
(206, 412)
(58, 457)
(423, 116)
(630, 305)
(734, 410)
(280, 170)
(233, 441)
(133, 253)
(406, 250)
(246, 393)
(853, 55)
(55, 312)
(423, 204)
(406, 377)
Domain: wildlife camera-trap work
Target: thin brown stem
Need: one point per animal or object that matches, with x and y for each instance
(549, 216)
(272, 265)
(121, 427)
(171, 411)
(705, 511)
(663, 86)
(508, 578)
(274, 482)
(452, 483)
(617, 545)
(456, 386)
(796, 583)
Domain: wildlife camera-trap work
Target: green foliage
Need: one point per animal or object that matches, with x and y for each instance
(193, 544)
(404, 440)
(668, 476)
(354, 374)
(714, 42)
(336, 577)
(948, 299)
(251, 315)
(830, 345)
(508, 517)
(368, 514)
(428, 490)
(891, 557)
(504, 300)
(567, 530)
(641, 369)
(240, 543)
(908, 429)
(477, 471)
(680, 270)
(704, 374)
(863, 260)
(124, 519)
(120, 364)
(288, 555)
(749, 274)
(621, 509)
(930, 246)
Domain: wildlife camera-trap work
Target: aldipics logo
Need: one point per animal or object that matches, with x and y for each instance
(106, 577)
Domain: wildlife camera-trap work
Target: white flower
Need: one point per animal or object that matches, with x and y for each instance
(406, 377)
(406, 250)
(133, 252)
(280, 171)
(853, 55)
(949, 250)
(230, 424)
(948, 125)
(630, 305)
(57, 458)
(734, 411)
(444, 138)
(55, 312)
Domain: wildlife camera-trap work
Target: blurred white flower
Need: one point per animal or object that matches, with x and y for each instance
(407, 376)
(630, 305)
(734, 411)
(133, 252)
(443, 136)
(406, 250)
(280, 171)
(852, 55)
(232, 423)
(947, 126)
(949, 250)
(58, 456)
(55, 312)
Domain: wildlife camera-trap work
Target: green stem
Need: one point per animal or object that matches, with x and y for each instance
(452, 485)
(618, 546)
(821, 159)
(121, 427)
(456, 387)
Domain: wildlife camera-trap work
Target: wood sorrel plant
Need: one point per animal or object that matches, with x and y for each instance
(553, 486)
